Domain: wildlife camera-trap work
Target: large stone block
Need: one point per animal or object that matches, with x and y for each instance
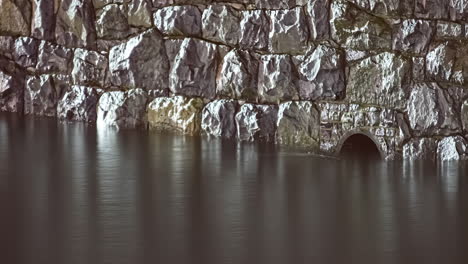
(15, 17)
(379, 80)
(321, 74)
(239, 76)
(218, 118)
(386, 8)
(54, 58)
(194, 69)
(43, 19)
(141, 62)
(112, 22)
(256, 122)
(431, 111)
(11, 92)
(75, 26)
(176, 114)
(276, 79)
(452, 149)
(277, 4)
(440, 61)
(139, 13)
(318, 12)
(78, 104)
(221, 23)
(413, 36)
(121, 109)
(40, 96)
(420, 149)
(25, 51)
(298, 124)
(432, 9)
(288, 31)
(89, 68)
(179, 20)
(254, 30)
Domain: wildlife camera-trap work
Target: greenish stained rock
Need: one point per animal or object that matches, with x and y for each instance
(15, 17)
(413, 36)
(176, 114)
(298, 124)
(379, 80)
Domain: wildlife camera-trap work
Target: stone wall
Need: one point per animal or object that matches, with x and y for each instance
(306, 73)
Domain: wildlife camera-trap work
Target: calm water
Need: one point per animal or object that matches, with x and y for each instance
(71, 194)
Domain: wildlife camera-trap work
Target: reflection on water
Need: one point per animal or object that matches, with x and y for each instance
(71, 194)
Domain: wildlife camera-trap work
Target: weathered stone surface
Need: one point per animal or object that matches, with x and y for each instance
(75, 24)
(40, 96)
(121, 109)
(54, 58)
(356, 29)
(43, 19)
(25, 51)
(256, 122)
(385, 7)
(420, 149)
(221, 23)
(413, 36)
(379, 80)
(141, 62)
(239, 74)
(440, 61)
(431, 111)
(458, 10)
(318, 13)
(449, 30)
(139, 13)
(11, 92)
(7, 44)
(418, 68)
(15, 17)
(78, 104)
(179, 20)
(194, 70)
(176, 114)
(432, 9)
(276, 80)
(254, 28)
(163, 3)
(460, 66)
(89, 68)
(452, 149)
(218, 118)
(322, 74)
(112, 22)
(298, 124)
(353, 55)
(278, 4)
(288, 32)
(464, 116)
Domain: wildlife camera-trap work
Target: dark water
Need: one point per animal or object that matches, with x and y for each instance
(71, 194)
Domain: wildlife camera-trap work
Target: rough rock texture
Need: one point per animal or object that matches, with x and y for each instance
(121, 109)
(40, 96)
(452, 148)
(78, 104)
(179, 20)
(220, 23)
(112, 22)
(413, 36)
(218, 118)
(176, 114)
(464, 116)
(256, 122)
(420, 149)
(54, 58)
(298, 124)
(141, 62)
(15, 17)
(11, 91)
(254, 29)
(89, 68)
(318, 12)
(25, 51)
(43, 19)
(288, 33)
(276, 79)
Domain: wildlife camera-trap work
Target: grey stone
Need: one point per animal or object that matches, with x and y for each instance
(78, 104)
(40, 96)
(7, 44)
(218, 118)
(464, 116)
(458, 10)
(355, 55)
(449, 30)
(176, 114)
(418, 68)
(179, 20)
(452, 149)
(460, 65)
(288, 32)
(112, 22)
(15, 17)
(278, 4)
(431, 111)
(413, 36)
(141, 62)
(322, 74)
(194, 70)
(121, 109)
(318, 13)
(420, 149)
(239, 76)
(139, 13)
(256, 122)
(432, 9)
(221, 23)
(11, 92)
(25, 51)
(163, 3)
(365, 32)
(43, 19)
(440, 61)
(254, 30)
(379, 80)
(54, 58)
(386, 8)
(298, 124)
(276, 79)
(89, 68)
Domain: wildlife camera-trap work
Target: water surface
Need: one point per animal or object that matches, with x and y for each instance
(70, 193)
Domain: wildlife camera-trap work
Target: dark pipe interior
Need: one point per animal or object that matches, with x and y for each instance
(359, 146)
